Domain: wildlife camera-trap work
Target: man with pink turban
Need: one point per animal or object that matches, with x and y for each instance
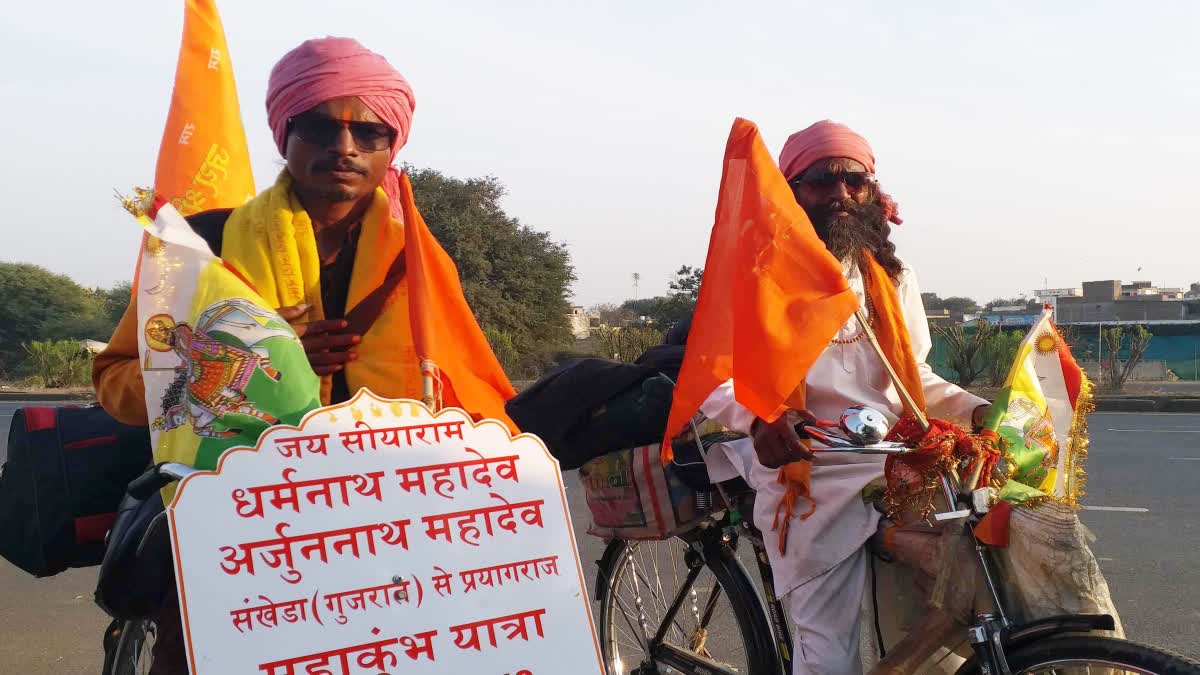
(324, 244)
(821, 573)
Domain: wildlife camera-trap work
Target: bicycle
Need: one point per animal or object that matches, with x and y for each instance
(648, 634)
(135, 547)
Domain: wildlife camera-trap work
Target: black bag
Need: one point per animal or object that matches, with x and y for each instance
(64, 477)
(592, 407)
(137, 573)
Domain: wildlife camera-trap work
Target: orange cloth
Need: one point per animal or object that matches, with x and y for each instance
(993, 528)
(117, 373)
(766, 273)
(891, 330)
(448, 340)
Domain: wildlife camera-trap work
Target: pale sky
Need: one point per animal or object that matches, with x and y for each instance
(1024, 141)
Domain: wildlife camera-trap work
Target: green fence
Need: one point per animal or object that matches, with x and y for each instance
(1176, 344)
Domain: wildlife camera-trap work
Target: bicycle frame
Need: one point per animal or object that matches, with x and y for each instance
(994, 632)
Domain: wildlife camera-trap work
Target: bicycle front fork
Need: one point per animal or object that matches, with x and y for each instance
(987, 640)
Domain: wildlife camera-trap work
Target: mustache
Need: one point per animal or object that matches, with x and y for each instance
(825, 212)
(338, 164)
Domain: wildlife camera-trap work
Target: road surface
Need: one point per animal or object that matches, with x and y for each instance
(1144, 473)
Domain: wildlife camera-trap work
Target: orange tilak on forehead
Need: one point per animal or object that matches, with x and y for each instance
(348, 109)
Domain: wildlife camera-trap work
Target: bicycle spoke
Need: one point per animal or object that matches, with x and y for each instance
(710, 606)
(625, 613)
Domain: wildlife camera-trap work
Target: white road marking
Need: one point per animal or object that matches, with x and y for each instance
(1123, 509)
(1172, 414)
(1187, 459)
(1157, 431)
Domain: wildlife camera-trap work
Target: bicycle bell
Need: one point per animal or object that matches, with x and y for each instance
(863, 425)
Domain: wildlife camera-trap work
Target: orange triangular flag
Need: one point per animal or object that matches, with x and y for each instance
(202, 161)
(447, 338)
(772, 296)
(993, 527)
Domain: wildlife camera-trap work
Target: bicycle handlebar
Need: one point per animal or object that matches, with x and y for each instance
(157, 477)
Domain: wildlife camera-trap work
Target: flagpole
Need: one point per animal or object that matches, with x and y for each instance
(905, 397)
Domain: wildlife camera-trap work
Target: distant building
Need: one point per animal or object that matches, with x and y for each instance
(1111, 300)
(1046, 294)
(1050, 296)
(582, 323)
(92, 346)
(941, 317)
(1012, 315)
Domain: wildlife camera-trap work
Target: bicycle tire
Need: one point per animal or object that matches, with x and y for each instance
(746, 605)
(1079, 649)
(131, 655)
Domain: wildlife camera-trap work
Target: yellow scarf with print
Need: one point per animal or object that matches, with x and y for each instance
(271, 242)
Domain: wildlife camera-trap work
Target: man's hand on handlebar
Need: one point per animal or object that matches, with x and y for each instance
(778, 443)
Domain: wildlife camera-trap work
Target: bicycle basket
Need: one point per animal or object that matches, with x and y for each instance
(632, 495)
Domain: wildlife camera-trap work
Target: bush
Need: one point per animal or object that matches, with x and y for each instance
(501, 343)
(627, 344)
(59, 363)
(999, 353)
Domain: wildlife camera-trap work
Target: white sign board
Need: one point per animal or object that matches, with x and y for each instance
(381, 538)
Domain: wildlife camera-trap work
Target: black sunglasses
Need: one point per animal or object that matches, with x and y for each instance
(324, 131)
(855, 180)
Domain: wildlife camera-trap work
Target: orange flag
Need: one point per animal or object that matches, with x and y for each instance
(993, 527)
(447, 338)
(772, 297)
(202, 161)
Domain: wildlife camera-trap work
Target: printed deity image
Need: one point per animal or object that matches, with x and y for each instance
(218, 359)
(220, 366)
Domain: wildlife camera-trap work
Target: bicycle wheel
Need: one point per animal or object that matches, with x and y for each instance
(665, 609)
(1092, 654)
(133, 650)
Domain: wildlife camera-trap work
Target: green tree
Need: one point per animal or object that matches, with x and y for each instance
(114, 300)
(1007, 302)
(666, 310)
(516, 279)
(1116, 373)
(960, 305)
(955, 305)
(36, 304)
(687, 282)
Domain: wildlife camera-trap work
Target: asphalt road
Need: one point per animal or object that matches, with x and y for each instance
(1144, 466)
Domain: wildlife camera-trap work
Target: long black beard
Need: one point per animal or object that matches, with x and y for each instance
(846, 237)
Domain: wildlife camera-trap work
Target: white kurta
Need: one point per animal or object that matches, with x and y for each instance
(844, 375)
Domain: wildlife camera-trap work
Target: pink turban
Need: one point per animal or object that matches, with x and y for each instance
(328, 68)
(823, 140)
(827, 139)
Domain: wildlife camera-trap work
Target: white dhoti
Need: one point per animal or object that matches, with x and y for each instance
(821, 578)
(826, 619)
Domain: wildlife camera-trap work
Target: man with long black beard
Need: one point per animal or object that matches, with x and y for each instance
(821, 573)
